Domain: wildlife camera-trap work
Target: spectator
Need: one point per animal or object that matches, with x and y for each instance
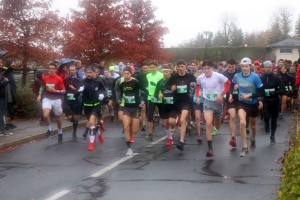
(78, 66)
(3, 84)
(112, 72)
(101, 67)
(36, 85)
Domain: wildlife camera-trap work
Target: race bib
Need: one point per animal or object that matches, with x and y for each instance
(181, 88)
(235, 91)
(70, 96)
(168, 100)
(50, 86)
(129, 99)
(155, 100)
(250, 99)
(267, 91)
(109, 93)
(211, 95)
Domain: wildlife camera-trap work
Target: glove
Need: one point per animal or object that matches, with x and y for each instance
(101, 97)
(142, 104)
(119, 101)
(81, 89)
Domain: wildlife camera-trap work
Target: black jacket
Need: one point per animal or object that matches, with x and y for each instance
(273, 82)
(2, 86)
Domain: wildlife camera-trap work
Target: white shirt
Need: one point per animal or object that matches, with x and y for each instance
(212, 86)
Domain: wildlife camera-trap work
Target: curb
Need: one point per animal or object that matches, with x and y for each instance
(12, 144)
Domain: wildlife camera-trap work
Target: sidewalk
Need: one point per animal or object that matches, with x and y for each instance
(30, 130)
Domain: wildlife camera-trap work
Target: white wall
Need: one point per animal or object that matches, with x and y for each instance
(290, 56)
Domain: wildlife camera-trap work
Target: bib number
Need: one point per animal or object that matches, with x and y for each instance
(70, 96)
(235, 91)
(181, 89)
(129, 99)
(49, 86)
(168, 100)
(211, 95)
(267, 91)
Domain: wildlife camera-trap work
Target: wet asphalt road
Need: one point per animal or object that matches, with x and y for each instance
(45, 169)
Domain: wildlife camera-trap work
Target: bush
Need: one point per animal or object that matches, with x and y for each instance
(27, 106)
(290, 186)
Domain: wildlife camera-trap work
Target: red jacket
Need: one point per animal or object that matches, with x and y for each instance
(297, 83)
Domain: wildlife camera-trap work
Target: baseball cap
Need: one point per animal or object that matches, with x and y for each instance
(246, 61)
(111, 68)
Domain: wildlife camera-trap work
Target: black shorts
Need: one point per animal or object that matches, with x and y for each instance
(178, 108)
(295, 94)
(250, 109)
(132, 112)
(71, 108)
(198, 107)
(92, 110)
(151, 107)
(233, 104)
(166, 110)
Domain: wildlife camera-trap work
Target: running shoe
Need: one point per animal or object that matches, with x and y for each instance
(101, 125)
(48, 133)
(60, 138)
(267, 128)
(129, 152)
(8, 134)
(143, 128)
(272, 140)
(180, 146)
(74, 136)
(149, 138)
(169, 142)
(172, 131)
(280, 116)
(232, 143)
(131, 138)
(91, 146)
(100, 137)
(261, 119)
(199, 139)
(214, 132)
(210, 153)
(156, 121)
(252, 145)
(244, 152)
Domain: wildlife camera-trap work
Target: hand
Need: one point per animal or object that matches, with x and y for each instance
(142, 104)
(51, 89)
(81, 89)
(236, 86)
(119, 101)
(245, 97)
(198, 101)
(219, 99)
(161, 96)
(72, 87)
(230, 100)
(101, 97)
(173, 88)
(38, 98)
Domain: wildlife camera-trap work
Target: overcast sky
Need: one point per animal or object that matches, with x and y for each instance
(197, 16)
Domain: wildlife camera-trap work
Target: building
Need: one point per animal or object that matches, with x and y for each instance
(287, 49)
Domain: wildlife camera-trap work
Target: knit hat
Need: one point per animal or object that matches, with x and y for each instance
(9, 61)
(127, 69)
(267, 63)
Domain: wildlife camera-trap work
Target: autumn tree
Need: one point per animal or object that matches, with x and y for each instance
(110, 30)
(29, 31)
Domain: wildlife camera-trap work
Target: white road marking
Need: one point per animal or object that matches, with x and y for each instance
(58, 195)
(157, 141)
(112, 166)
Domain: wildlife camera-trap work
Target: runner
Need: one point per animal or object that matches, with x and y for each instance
(153, 77)
(250, 88)
(287, 81)
(71, 98)
(214, 85)
(198, 108)
(130, 91)
(93, 91)
(231, 99)
(162, 92)
(110, 81)
(292, 73)
(180, 84)
(54, 87)
(272, 86)
(144, 82)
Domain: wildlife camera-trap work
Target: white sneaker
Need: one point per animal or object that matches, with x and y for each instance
(8, 134)
(129, 152)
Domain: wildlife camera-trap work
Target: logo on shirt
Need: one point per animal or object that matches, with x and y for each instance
(96, 88)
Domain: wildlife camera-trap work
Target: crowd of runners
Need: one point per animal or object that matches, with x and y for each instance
(178, 94)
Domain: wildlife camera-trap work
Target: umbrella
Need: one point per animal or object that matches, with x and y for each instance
(2, 53)
(65, 61)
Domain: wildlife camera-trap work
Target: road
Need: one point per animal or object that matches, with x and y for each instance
(67, 171)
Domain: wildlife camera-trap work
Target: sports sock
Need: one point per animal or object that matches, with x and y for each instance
(112, 113)
(75, 124)
(128, 144)
(92, 134)
(168, 133)
(87, 129)
(182, 141)
(49, 128)
(59, 131)
(233, 138)
(214, 128)
(209, 144)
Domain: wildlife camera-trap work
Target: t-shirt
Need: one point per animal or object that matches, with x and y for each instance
(247, 85)
(152, 83)
(54, 82)
(131, 93)
(230, 77)
(212, 86)
(183, 86)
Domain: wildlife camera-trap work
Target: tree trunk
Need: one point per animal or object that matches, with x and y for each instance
(24, 74)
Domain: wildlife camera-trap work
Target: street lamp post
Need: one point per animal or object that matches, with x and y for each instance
(206, 35)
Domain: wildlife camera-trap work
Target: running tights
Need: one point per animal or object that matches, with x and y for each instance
(271, 112)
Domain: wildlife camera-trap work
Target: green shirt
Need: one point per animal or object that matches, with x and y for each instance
(152, 83)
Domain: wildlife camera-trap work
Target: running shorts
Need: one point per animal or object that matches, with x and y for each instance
(55, 105)
(250, 109)
(214, 107)
(132, 112)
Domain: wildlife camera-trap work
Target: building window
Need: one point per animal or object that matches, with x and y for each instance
(286, 50)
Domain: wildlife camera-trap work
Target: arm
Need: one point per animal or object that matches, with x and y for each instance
(226, 87)
(281, 89)
(158, 88)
